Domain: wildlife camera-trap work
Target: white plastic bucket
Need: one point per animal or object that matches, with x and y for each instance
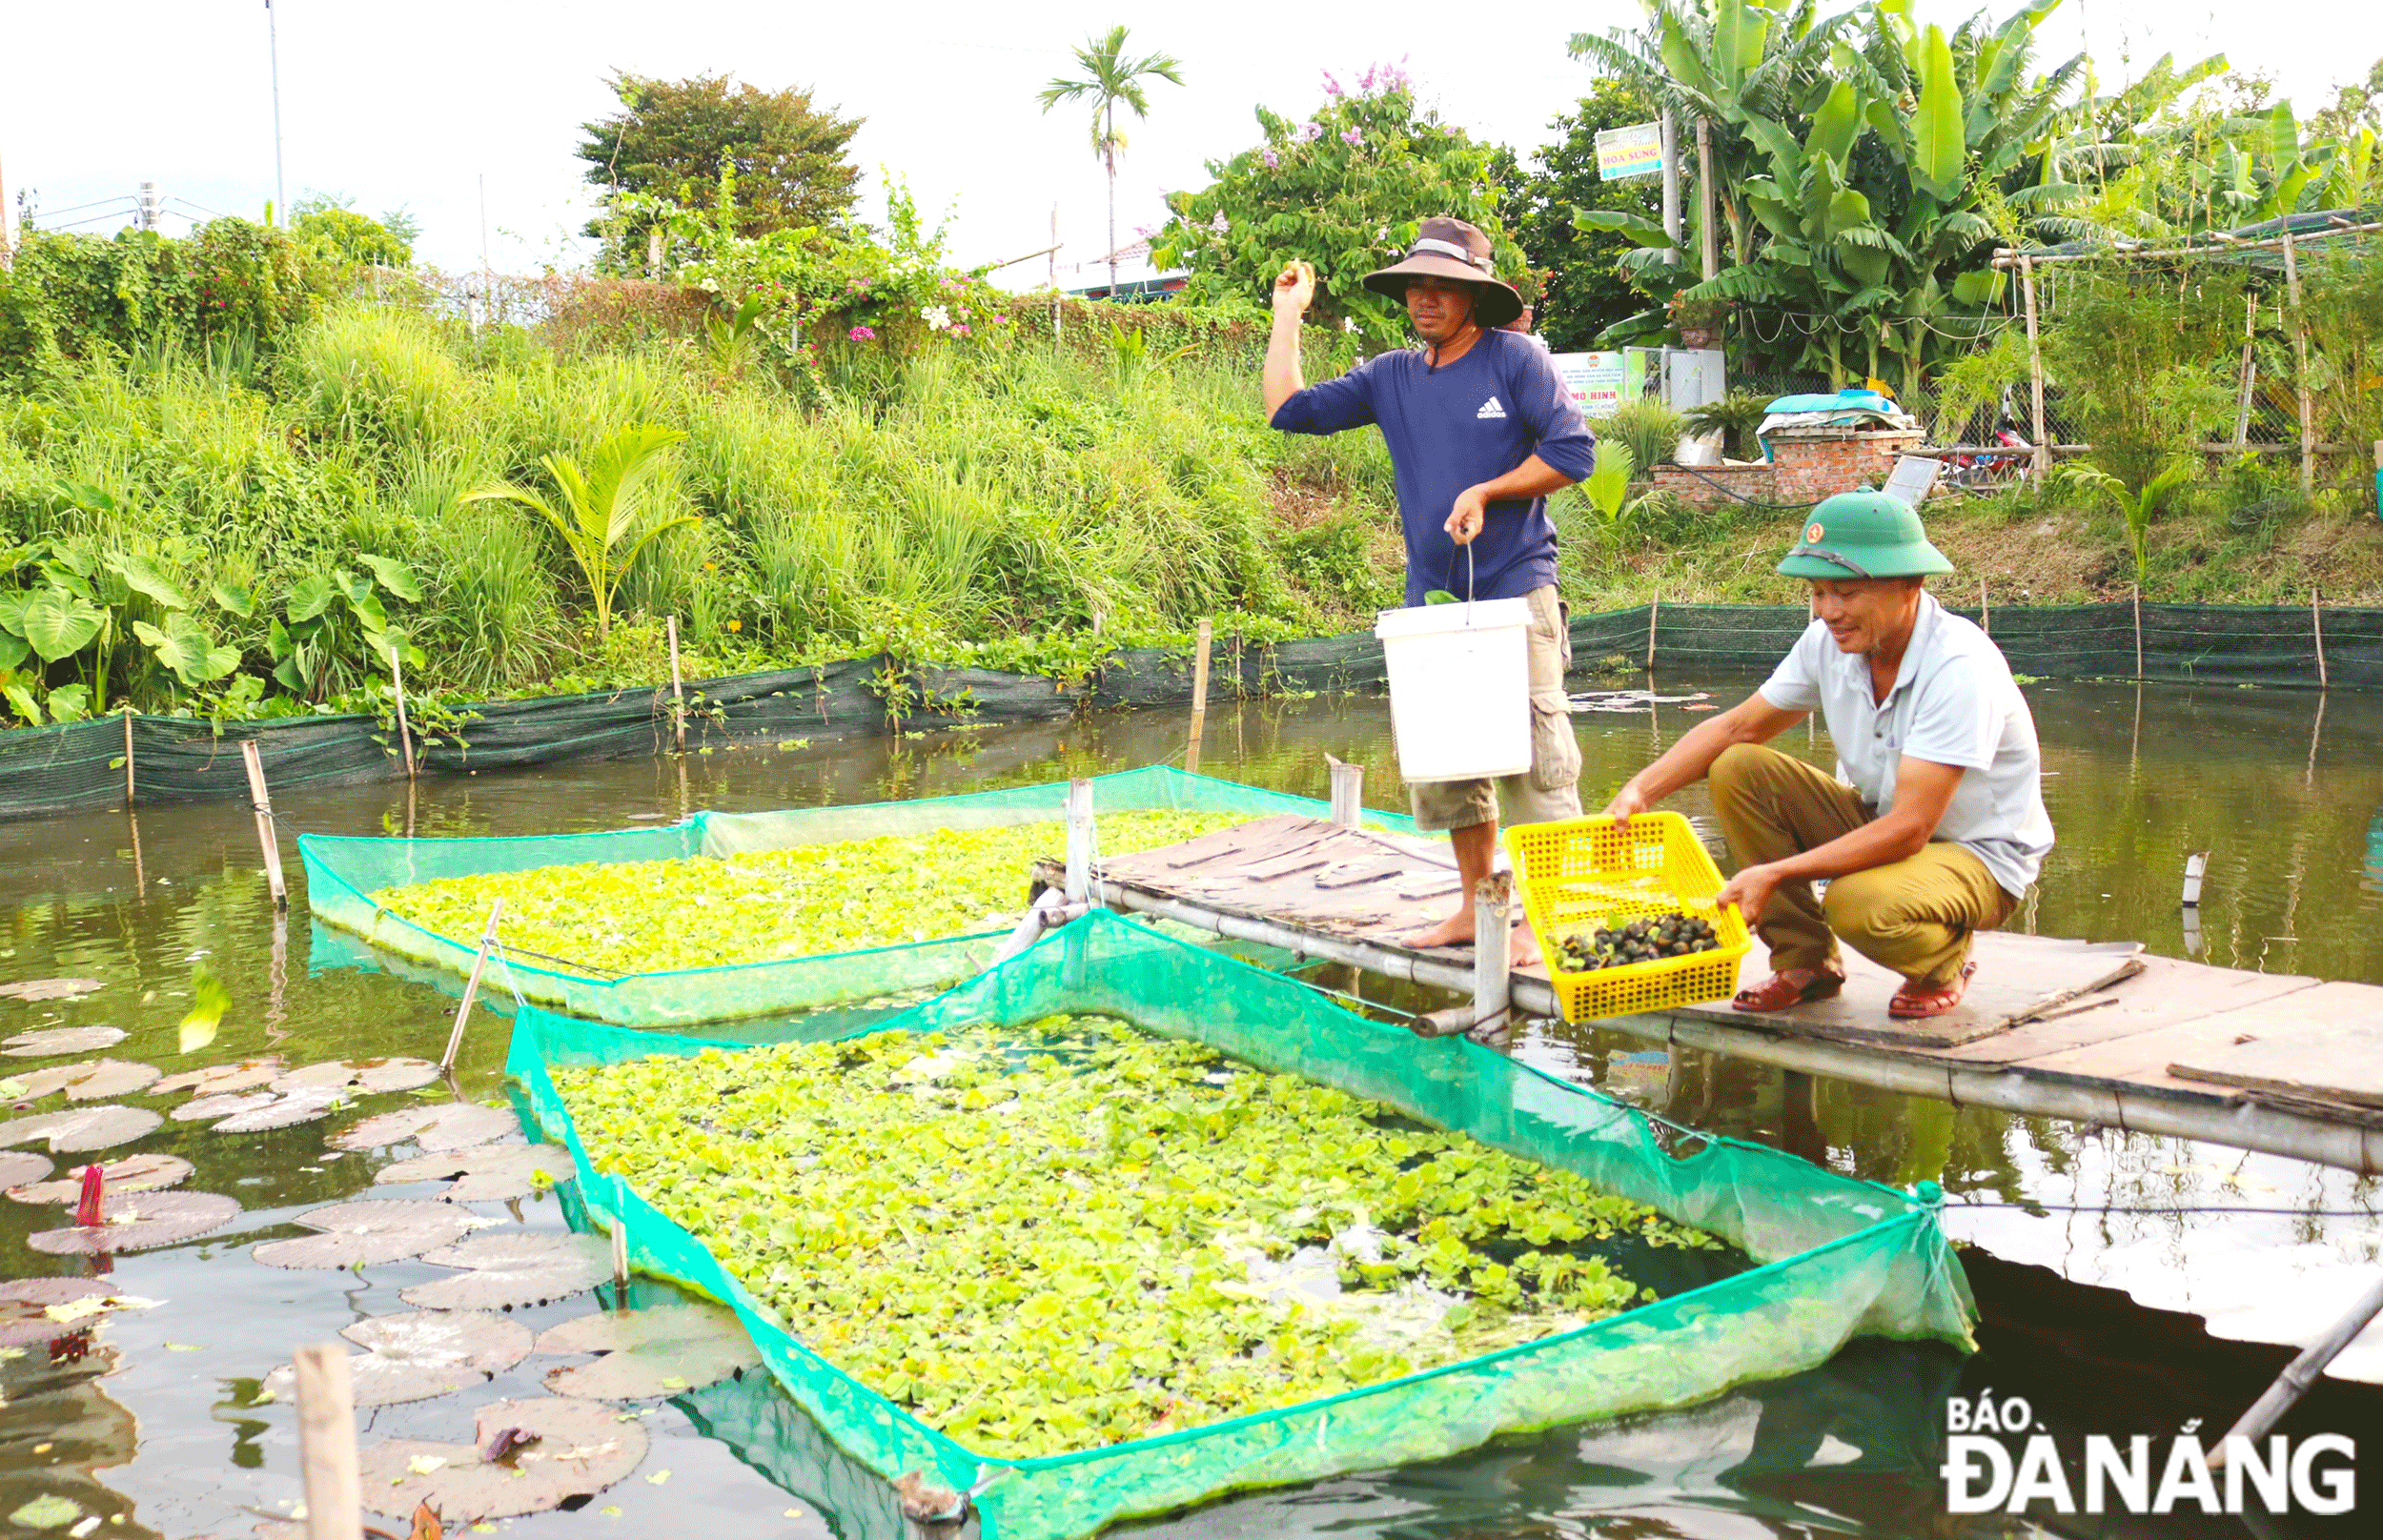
(1460, 688)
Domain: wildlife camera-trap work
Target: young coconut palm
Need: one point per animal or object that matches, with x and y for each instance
(603, 505)
(1111, 78)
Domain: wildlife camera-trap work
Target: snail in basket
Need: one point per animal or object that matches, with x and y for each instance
(1640, 940)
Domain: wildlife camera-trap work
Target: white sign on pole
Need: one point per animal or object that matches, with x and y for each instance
(1636, 151)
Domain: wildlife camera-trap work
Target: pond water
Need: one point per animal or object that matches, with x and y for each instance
(2106, 1319)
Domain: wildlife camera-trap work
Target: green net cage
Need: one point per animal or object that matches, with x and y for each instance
(1834, 1258)
(342, 873)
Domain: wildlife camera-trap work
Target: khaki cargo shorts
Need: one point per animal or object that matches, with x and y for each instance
(1551, 789)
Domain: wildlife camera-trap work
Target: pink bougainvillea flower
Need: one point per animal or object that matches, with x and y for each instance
(1272, 161)
(1355, 136)
(1332, 87)
(1311, 130)
(861, 334)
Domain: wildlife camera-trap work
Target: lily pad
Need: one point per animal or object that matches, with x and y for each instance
(20, 1167)
(449, 1125)
(134, 1173)
(217, 1080)
(25, 1307)
(49, 989)
(654, 1352)
(491, 1173)
(285, 1111)
(573, 1449)
(206, 1108)
(51, 1040)
(364, 1075)
(139, 1221)
(84, 1128)
(505, 1270)
(367, 1232)
(423, 1354)
(93, 1081)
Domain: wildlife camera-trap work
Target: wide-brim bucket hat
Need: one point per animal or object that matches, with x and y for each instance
(1452, 249)
(1863, 535)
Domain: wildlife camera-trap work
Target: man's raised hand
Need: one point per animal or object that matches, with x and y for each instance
(1294, 288)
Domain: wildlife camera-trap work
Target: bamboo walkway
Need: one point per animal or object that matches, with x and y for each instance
(2097, 1033)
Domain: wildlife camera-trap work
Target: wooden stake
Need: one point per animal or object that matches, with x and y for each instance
(405, 733)
(620, 1244)
(1493, 943)
(265, 833)
(1079, 840)
(2138, 643)
(1986, 614)
(2300, 356)
(326, 1426)
(1654, 608)
(128, 755)
(470, 986)
(2316, 628)
(2249, 368)
(1347, 792)
(1207, 639)
(2035, 368)
(678, 697)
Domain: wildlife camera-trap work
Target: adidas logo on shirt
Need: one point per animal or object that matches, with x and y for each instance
(1490, 409)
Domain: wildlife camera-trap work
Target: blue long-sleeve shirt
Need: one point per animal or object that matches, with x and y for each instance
(1455, 426)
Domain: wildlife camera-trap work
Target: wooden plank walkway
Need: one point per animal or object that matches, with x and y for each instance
(2093, 1032)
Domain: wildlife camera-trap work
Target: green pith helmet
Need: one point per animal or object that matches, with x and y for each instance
(1863, 535)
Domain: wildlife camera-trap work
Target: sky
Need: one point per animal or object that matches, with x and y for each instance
(466, 113)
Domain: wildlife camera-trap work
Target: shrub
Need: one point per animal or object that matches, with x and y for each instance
(1650, 429)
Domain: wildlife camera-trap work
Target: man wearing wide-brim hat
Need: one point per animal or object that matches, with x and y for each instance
(1934, 824)
(1481, 430)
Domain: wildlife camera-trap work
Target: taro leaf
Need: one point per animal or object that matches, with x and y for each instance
(573, 1449)
(57, 1040)
(202, 1108)
(93, 1081)
(365, 1075)
(491, 1173)
(510, 1270)
(140, 1219)
(134, 1173)
(79, 1130)
(217, 1078)
(284, 1111)
(424, 1354)
(655, 1352)
(25, 1307)
(53, 989)
(366, 1232)
(20, 1167)
(60, 624)
(450, 1126)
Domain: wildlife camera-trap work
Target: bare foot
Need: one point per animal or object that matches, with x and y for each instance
(1457, 930)
(1523, 951)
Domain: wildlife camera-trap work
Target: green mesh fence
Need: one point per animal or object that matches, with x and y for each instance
(342, 873)
(59, 768)
(1838, 1258)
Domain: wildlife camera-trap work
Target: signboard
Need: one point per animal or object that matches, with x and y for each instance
(1636, 151)
(1599, 382)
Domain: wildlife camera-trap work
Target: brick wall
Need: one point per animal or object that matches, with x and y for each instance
(1703, 488)
(1812, 463)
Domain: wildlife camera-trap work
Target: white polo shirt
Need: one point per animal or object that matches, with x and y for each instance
(1954, 702)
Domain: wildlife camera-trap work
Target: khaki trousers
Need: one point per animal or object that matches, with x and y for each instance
(1551, 788)
(1914, 916)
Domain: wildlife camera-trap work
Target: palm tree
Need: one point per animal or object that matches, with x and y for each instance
(1109, 77)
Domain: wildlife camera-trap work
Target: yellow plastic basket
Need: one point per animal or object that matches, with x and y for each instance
(1579, 873)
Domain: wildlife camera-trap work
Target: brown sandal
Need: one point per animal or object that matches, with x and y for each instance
(1779, 992)
(1908, 1005)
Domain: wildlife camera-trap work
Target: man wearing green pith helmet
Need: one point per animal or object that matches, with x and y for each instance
(1934, 824)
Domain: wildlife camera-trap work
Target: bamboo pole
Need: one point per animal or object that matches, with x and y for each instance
(2250, 370)
(266, 837)
(470, 986)
(678, 694)
(1199, 691)
(1493, 953)
(1985, 614)
(2035, 368)
(2302, 1372)
(405, 732)
(2138, 643)
(2300, 356)
(2316, 629)
(326, 1427)
(1654, 608)
(128, 755)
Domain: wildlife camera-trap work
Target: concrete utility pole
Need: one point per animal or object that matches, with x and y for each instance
(273, 54)
(151, 206)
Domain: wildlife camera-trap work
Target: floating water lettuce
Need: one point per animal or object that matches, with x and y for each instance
(1070, 1234)
(697, 912)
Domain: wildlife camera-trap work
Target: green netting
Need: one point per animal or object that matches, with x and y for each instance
(1838, 1258)
(343, 871)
